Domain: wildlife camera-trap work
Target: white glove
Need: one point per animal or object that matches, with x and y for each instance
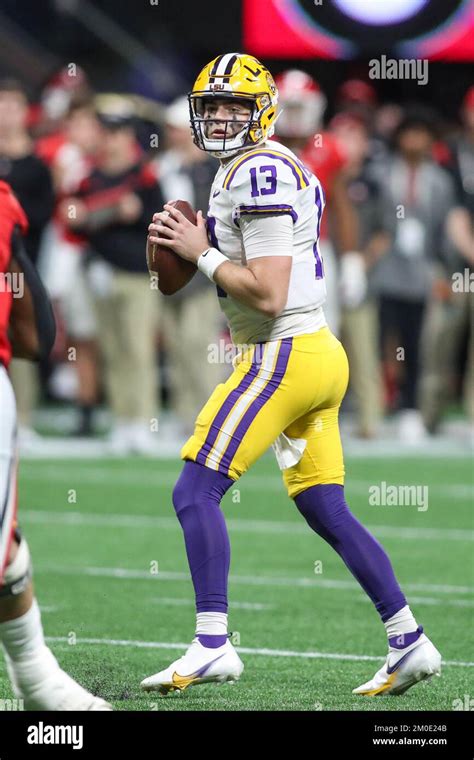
(353, 280)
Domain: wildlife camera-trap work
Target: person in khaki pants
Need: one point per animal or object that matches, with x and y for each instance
(359, 318)
(111, 209)
(360, 339)
(127, 316)
(450, 321)
(192, 329)
(191, 319)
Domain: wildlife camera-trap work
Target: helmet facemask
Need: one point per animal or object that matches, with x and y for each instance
(232, 141)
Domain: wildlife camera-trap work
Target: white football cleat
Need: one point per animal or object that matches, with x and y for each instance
(199, 665)
(42, 685)
(404, 668)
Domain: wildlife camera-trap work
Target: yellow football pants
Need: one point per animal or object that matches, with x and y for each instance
(293, 385)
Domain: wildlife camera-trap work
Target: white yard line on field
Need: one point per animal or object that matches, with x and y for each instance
(453, 445)
(438, 602)
(173, 602)
(250, 580)
(241, 650)
(239, 525)
(359, 597)
(147, 479)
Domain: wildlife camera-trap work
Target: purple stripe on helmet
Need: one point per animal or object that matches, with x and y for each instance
(213, 73)
(275, 208)
(265, 394)
(230, 65)
(228, 180)
(228, 404)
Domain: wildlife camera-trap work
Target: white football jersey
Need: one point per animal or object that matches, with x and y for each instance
(270, 180)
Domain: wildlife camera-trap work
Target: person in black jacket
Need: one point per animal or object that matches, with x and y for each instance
(31, 182)
(27, 175)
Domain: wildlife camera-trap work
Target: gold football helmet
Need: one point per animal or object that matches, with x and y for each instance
(234, 76)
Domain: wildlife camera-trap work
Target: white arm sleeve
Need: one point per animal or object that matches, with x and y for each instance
(267, 236)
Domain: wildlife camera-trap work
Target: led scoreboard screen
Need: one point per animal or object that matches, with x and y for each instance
(343, 29)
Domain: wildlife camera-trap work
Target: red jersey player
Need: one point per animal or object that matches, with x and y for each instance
(27, 330)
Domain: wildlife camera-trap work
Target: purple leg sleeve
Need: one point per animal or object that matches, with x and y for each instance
(326, 512)
(196, 499)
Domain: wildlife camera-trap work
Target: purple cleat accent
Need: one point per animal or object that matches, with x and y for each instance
(405, 639)
(202, 671)
(211, 641)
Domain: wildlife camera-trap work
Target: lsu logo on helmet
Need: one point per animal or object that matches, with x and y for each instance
(241, 77)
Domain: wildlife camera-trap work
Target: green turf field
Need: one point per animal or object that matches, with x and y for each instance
(112, 579)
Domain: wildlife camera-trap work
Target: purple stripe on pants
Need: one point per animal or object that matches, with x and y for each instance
(229, 403)
(265, 394)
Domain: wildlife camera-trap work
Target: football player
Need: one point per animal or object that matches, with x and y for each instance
(288, 381)
(27, 330)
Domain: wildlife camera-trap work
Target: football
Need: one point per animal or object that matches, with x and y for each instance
(172, 271)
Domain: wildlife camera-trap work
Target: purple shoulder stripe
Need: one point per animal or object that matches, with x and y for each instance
(299, 174)
(270, 209)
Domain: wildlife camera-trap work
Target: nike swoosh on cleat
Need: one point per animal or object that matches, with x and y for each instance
(380, 689)
(395, 667)
(182, 682)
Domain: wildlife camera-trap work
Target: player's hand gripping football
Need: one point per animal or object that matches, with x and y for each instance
(171, 229)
